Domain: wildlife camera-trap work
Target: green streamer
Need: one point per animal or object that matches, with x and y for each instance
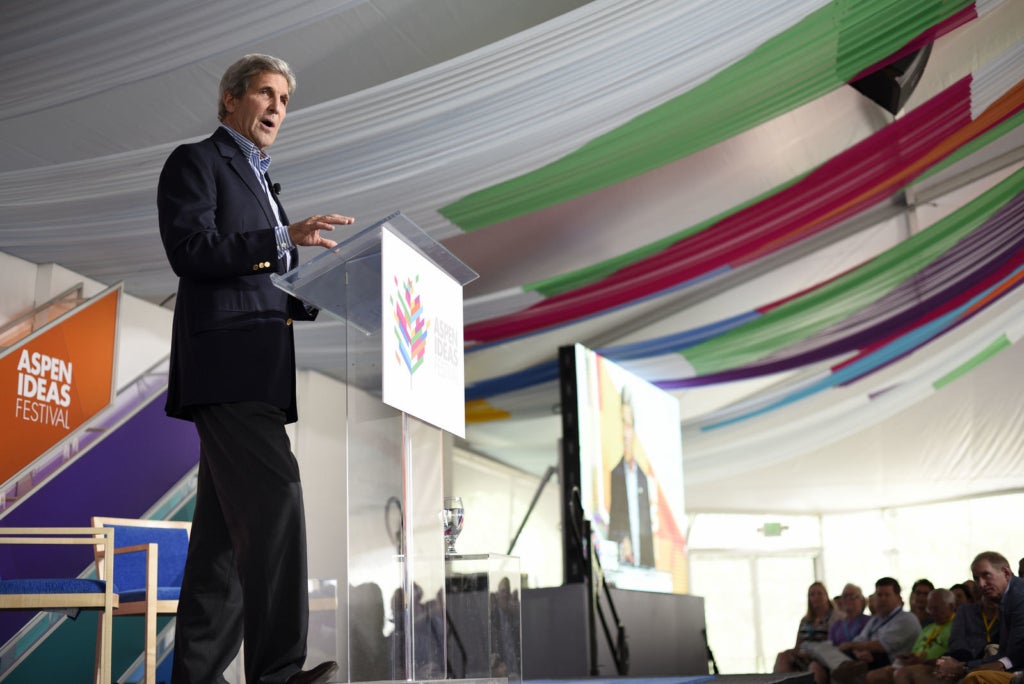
(800, 318)
(981, 357)
(815, 56)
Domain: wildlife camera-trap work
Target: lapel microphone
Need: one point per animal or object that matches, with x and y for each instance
(276, 187)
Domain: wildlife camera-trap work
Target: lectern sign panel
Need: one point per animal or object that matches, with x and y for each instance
(421, 328)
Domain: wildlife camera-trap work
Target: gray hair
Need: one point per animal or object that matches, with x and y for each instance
(237, 77)
(995, 559)
(944, 595)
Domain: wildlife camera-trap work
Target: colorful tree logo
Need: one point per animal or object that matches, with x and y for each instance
(410, 325)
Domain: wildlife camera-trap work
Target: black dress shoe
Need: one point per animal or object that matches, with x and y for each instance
(321, 674)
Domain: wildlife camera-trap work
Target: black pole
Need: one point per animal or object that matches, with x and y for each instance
(536, 497)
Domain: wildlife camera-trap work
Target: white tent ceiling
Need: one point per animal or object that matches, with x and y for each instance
(100, 91)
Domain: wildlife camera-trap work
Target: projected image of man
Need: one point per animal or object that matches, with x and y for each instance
(629, 518)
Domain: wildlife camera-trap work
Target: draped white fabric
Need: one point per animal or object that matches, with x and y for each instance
(412, 105)
(835, 456)
(417, 142)
(355, 46)
(116, 42)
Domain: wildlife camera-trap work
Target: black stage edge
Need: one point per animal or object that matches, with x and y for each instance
(664, 633)
(787, 677)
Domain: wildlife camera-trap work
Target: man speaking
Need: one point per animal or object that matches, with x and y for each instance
(232, 373)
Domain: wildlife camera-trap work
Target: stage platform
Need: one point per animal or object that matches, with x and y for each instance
(664, 633)
(771, 678)
(788, 678)
(627, 680)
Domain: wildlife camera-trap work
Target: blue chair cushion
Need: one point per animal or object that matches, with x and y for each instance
(51, 586)
(130, 568)
(162, 594)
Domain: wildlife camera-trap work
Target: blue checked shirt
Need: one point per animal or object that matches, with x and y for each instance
(260, 162)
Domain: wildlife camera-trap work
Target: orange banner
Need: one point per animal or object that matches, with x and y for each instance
(55, 380)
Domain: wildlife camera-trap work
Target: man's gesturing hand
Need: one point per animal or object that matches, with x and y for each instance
(307, 231)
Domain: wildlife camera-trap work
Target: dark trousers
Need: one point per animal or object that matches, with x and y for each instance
(246, 569)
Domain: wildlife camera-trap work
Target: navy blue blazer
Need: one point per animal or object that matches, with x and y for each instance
(1011, 627)
(232, 333)
(1011, 623)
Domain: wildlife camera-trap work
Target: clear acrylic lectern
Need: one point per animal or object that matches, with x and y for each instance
(391, 616)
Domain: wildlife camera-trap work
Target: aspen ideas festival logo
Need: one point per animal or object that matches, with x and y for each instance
(410, 325)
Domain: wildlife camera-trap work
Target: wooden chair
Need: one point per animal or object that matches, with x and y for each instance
(66, 593)
(149, 563)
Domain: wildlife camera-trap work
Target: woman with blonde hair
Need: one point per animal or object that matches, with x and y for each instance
(814, 626)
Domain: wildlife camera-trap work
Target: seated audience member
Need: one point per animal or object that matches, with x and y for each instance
(852, 603)
(814, 626)
(891, 631)
(975, 628)
(932, 642)
(997, 583)
(1020, 568)
(962, 594)
(972, 590)
(919, 600)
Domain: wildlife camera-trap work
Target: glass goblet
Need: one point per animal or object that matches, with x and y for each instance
(452, 517)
